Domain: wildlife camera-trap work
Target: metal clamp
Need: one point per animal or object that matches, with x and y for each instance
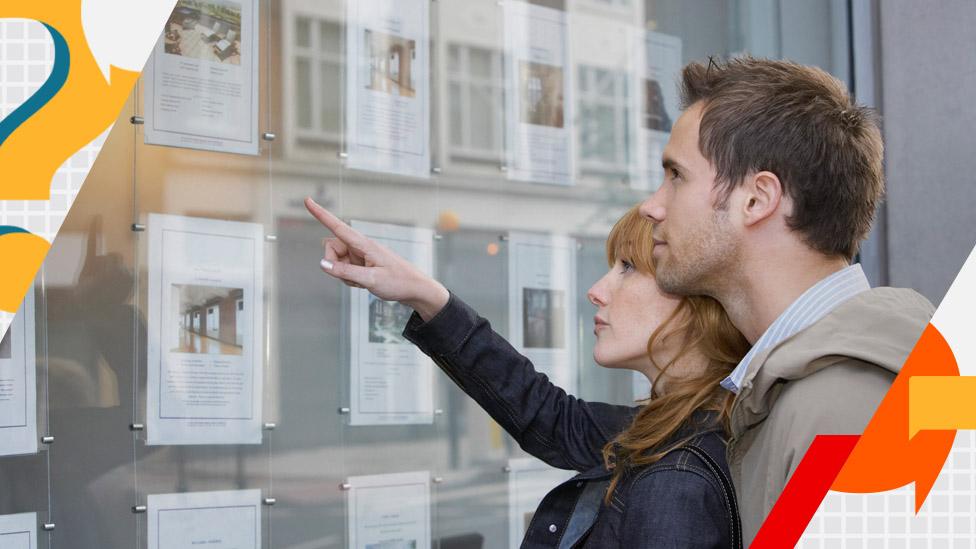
(137, 509)
(270, 426)
(437, 480)
(345, 486)
(48, 526)
(271, 237)
(506, 469)
(47, 439)
(344, 410)
(138, 227)
(136, 426)
(137, 120)
(438, 412)
(270, 501)
(435, 169)
(343, 155)
(269, 136)
(503, 237)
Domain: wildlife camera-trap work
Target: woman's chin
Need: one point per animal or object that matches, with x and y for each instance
(608, 362)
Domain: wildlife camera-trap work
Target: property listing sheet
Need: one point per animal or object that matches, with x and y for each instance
(18, 384)
(391, 380)
(388, 86)
(539, 101)
(202, 78)
(389, 511)
(542, 304)
(206, 294)
(216, 520)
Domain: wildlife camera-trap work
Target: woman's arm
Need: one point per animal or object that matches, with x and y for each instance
(558, 428)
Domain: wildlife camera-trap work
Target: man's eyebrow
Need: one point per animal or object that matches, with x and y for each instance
(668, 163)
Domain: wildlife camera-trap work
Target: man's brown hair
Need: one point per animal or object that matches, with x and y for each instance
(801, 124)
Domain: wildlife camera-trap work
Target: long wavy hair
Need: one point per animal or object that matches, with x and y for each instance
(698, 324)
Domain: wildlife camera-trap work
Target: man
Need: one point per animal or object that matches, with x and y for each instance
(772, 179)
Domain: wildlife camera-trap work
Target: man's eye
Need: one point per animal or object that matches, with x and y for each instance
(674, 173)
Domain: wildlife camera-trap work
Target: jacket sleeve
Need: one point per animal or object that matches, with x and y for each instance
(675, 509)
(560, 429)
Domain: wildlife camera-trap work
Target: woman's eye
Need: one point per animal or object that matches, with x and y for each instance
(627, 265)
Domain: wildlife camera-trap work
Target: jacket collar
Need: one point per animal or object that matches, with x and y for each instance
(878, 327)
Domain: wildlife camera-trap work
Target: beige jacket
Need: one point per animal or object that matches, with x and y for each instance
(826, 379)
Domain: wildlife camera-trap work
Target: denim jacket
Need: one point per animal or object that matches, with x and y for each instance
(684, 500)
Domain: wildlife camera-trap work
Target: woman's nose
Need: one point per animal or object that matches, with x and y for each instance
(597, 293)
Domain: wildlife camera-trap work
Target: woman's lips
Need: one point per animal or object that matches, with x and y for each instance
(599, 323)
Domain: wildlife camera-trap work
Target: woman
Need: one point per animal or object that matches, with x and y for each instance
(650, 476)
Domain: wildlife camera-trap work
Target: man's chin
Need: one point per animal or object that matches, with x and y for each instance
(669, 281)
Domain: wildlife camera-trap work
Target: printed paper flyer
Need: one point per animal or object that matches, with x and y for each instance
(205, 343)
(202, 79)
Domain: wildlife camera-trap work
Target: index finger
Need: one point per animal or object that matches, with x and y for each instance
(338, 227)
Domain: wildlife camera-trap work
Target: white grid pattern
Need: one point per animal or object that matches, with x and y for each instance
(26, 59)
(887, 520)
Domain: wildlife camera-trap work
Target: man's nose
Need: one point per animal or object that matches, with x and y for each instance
(653, 207)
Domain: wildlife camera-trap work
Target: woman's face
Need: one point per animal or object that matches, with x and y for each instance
(630, 306)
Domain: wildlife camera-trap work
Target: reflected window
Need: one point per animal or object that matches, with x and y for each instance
(604, 121)
(475, 86)
(316, 95)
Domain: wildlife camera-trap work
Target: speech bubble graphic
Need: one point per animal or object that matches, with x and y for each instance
(870, 467)
(27, 251)
(113, 37)
(941, 403)
(865, 464)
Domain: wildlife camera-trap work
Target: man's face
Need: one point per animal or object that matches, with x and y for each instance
(695, 243)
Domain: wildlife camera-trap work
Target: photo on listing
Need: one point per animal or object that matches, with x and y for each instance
(390, 60)
(206, 30)
(210, 319)
(543, 318)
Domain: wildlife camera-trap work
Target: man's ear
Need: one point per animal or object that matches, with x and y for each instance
(762, 196)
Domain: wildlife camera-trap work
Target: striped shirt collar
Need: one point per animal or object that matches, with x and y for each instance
(814, 304)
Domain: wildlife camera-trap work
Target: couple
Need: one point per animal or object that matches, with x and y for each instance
(731, 288)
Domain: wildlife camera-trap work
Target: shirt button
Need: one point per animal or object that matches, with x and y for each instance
(578, 484)
(552, 528)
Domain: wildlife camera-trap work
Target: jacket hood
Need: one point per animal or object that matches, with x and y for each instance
(878, 327)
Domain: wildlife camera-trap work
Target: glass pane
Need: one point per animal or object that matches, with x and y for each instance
(483, 114)
(303, 93)
(599, 141)
(330, 37)
(480, 63)
(453, 59)
(303, 32)
(329, 90)
(457, 128)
